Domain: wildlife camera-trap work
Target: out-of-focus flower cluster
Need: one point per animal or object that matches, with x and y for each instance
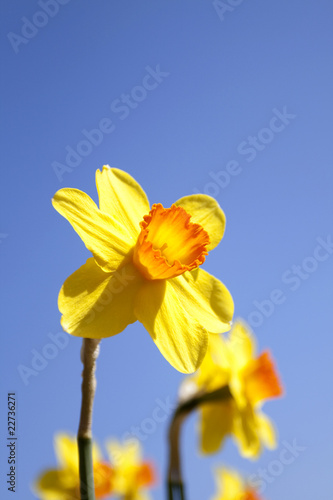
(125, 475)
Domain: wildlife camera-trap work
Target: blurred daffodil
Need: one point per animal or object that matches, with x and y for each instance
(132, 476)
(63, 483)
(251, 379)
(230, 486)
(145, 267)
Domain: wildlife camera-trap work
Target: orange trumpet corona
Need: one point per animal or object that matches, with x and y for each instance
(169, 244)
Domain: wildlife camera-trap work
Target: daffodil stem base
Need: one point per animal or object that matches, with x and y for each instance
(89, 354)
(176, 490)
(87, 490)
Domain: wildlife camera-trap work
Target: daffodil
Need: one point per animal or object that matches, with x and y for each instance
(63, 483)
(251, 379)
(132, 475)
(145, 267)
(231, 486)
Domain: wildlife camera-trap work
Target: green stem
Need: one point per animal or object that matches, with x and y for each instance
(89, 354)
(175, 484)
(87, 490)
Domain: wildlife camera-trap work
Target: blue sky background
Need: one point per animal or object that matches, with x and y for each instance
(223, 79)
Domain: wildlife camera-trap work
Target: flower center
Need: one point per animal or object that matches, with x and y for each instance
(103, 476)
(250, 494)
(261, 379)
(145, 475)
(169, 244)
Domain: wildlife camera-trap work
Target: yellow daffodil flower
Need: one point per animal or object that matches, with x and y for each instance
(231, 486)
(131, 475)
(145, 267)
(63, 483)
(251, 379)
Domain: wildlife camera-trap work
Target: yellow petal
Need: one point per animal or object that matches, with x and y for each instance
(208, 299)
(96, 304)
(241, 345)
(266, 431)
(105, 237)
(170, 318)
(214, 370)
(126, 454)
(217, 351)
(205, 210)
(122, 198)
(130, 474)
(252, 430)
(246, 433)
(230, 485)
(66, 451)
(57, 485)
(216, 424)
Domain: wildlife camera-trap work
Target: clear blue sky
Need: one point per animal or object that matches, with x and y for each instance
(249, 94)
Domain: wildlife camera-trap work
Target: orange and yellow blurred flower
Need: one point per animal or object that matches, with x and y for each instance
(132, 475)
(145, 267)
(63, 483)
(230, 486)
(251, 379)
